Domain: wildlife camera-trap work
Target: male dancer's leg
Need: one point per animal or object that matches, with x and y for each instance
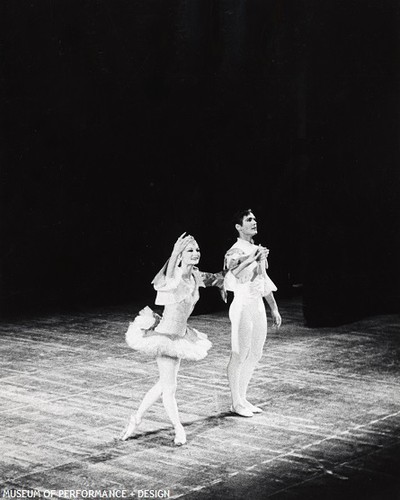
(241, 325)
(259, 334)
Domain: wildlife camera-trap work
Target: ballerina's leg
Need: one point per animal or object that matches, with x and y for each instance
(168, 368)
(149, 399)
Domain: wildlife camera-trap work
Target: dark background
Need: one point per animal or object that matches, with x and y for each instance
(125, 123)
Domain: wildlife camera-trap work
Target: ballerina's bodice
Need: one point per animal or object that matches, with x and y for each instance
(178, 296)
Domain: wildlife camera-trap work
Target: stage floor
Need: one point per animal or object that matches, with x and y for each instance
(330, 426)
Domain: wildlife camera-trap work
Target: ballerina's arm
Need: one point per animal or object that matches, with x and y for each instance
(178, 248)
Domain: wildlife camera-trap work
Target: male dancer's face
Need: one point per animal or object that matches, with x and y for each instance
(248, 229)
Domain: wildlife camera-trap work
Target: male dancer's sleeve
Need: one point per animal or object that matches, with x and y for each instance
(214, 279)
(233, 258)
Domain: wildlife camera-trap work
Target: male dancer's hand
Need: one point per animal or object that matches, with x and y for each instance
(263, 253)
(277, 320)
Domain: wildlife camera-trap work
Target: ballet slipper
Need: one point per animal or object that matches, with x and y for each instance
(130, 429)
(241, 410)
(180, 435)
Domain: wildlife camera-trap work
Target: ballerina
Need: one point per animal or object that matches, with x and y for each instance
(168, 338)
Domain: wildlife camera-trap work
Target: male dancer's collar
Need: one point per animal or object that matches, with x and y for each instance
(244, 243)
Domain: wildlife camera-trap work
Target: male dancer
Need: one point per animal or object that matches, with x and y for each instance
(246, 277)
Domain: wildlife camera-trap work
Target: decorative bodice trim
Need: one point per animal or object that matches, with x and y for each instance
(253, 280)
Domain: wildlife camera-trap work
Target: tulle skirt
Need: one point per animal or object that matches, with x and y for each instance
(142, 337)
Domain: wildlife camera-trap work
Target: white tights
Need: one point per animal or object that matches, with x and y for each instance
(249, 331)
(165, 387)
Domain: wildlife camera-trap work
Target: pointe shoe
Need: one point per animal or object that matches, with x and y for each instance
(252, 408)
(180, 436)
(130, 429)
(241, 410)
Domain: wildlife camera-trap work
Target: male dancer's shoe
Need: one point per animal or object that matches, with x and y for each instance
(241, 410)
(252, 408)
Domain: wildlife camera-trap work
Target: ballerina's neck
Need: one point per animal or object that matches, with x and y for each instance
(187, 272)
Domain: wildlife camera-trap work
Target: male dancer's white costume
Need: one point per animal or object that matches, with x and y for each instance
(247, 315)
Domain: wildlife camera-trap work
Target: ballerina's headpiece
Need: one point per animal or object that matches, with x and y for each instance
(163, 271)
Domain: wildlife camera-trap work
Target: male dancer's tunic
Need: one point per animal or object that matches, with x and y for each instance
(247, 310)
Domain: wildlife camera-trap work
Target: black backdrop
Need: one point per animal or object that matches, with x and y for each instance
(127, 122)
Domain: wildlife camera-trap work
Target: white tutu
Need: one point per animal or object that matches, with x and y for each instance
(141, 336)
